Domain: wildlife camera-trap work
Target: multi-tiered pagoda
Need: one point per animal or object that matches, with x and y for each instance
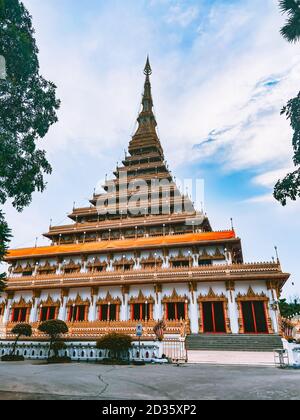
(141, 253)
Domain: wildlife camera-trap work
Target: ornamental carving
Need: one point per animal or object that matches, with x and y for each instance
(151, 260)
(97, 264)
(123, 262)
(109, 300)
(72, 266)
(212, 297)
(50, 302)
(141, 299)
(19, 269)
(175, 298)
(78, 301)
(251, 295)
(47, 267)
(22, 304)
(2, 307)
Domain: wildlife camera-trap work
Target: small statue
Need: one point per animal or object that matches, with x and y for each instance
(159, 330)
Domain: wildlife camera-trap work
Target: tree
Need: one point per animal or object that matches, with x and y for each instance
(5, 236)
(289, 187)
(28, 107)
(289, 310)
(54, 329)
(20, 330)
(291, 30)
(117, 344)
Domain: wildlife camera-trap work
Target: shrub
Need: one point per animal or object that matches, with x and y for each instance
(54, 329)
(12, 358)
(117, 344)
(20, 330)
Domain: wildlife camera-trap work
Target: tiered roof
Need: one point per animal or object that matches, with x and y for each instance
(145, 161)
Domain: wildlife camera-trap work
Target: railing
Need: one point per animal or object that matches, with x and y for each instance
(125, 221)
(175, 349)
(94, 329)
(79, 352)
(225, 269)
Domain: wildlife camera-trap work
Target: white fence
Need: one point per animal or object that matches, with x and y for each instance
(80, 352)
(175, 349)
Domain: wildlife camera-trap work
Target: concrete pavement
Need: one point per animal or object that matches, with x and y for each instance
(31, 380)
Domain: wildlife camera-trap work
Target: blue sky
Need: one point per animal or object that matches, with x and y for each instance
(221, 74)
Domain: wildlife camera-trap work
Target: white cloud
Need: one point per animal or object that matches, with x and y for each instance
(181, 15)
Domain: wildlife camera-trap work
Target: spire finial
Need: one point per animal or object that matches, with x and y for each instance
(148, 69)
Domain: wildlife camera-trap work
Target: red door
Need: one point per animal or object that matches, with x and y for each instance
(255, 318)
(214, 318)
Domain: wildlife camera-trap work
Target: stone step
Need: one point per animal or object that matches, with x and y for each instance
(233, 342)
(231, 358)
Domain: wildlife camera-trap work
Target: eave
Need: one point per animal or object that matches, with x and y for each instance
(204, 238)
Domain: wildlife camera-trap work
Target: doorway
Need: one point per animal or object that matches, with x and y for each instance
(214, 317)
(254, 317)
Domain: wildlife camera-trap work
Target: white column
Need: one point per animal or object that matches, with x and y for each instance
(193, 311)
(124, 316)
(195, 260)
(63, 309)
(34, 311)
(7, 311)
(137, 265)
(158, 315)
(92, 310)
(273, 314)
(233, 312)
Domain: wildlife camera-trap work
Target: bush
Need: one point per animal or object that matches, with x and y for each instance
(113, 362)
(54, 329)
(20, 330)
(12, 358)
(59, 360)
(117, 344)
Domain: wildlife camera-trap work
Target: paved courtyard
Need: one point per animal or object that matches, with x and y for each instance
(32, 380)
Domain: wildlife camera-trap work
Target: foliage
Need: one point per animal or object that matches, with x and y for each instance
(28, 108)
(20, 330)
(12, 358)
(289, 187)
(4, 240)
(57, 346)
(291, 30)
(289, 310)
(117, 344)
(54, 329)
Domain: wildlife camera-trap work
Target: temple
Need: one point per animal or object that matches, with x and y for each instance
(140, 253)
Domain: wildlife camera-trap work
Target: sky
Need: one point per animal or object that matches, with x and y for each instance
(221, 75)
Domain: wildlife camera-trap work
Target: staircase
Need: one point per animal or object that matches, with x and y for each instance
(234, 343)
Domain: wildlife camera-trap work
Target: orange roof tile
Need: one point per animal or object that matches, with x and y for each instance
(118, 244)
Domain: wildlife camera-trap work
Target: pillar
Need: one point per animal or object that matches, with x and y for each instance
(273, 309)
(62, 315)
(124, 307)
(195, 260)
(233, 312)
(193, 308)
(92, 316)
(158, 313)
(6, 315)
(35, 306)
